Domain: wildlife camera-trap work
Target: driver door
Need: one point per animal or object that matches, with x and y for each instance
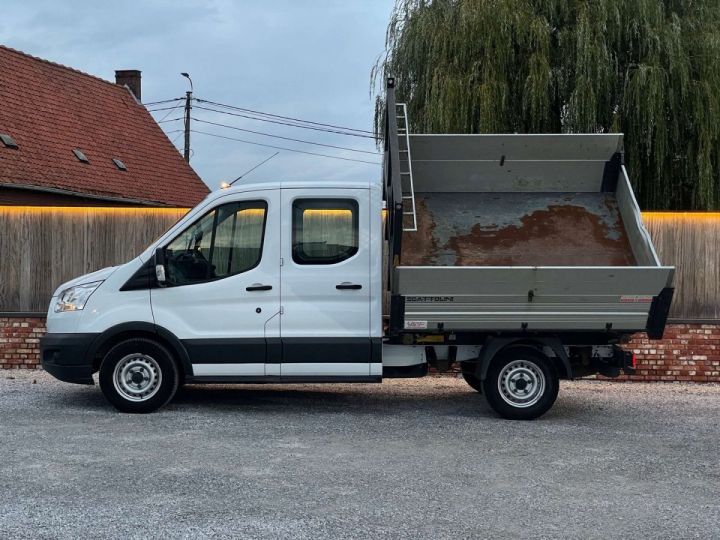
(223, 295)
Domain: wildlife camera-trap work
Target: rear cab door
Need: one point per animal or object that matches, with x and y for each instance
(325, 284)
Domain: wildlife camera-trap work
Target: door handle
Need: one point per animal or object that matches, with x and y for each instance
(345, 286)
(258, 287)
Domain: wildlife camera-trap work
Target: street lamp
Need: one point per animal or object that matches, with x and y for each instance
(187, 76)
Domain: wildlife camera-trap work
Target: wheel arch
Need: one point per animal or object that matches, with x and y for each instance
(494, 345)
(121, 332)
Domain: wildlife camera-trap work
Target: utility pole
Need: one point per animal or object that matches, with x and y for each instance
(188, 107)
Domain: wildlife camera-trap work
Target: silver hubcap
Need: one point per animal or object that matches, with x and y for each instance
(521, 383)
(137, 377)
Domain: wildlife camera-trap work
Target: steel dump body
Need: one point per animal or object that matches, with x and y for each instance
(515, 229)
(518, 233)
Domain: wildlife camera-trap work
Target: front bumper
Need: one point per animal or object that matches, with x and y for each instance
(65, 357)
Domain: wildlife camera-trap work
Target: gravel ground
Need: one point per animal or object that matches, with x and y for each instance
(406, 459)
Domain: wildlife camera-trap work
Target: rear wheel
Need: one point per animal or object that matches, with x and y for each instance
(138, 376)
(521, 383)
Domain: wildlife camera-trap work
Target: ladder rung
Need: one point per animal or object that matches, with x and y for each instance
(409, 213)
(401, 172)
(407, 196)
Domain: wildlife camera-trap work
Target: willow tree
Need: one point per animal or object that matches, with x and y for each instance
(648, 68)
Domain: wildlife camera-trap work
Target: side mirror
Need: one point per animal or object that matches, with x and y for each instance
(160, 267)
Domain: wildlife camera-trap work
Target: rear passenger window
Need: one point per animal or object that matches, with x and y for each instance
(325, 231)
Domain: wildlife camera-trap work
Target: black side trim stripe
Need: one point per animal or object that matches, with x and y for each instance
(226, 351)
(326, 350)
(287, 350)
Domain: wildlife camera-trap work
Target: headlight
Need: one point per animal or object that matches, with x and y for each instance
(75, 298)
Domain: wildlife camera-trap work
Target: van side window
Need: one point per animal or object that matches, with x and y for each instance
(227, 240)
(325, 231)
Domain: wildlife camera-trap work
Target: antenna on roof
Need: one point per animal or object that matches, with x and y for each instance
(226, 185)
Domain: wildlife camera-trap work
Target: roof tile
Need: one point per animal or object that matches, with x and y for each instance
(49, 109)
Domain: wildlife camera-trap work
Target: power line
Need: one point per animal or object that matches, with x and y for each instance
(163, 101)
(282, 117)
(163, 108)
(168, 133)
(285, 138)
(282, 148)
(327, 130)
(169, 112)
(171, 120)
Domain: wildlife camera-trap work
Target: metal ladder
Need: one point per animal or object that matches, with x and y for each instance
(406, 176)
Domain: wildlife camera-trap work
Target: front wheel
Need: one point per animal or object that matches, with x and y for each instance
(521, 383)
(138, 376)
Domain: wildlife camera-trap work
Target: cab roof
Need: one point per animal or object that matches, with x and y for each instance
(293, 184)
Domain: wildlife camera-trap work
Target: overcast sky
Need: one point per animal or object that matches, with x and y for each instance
(301, 58)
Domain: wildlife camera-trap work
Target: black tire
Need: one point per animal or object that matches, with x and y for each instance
(521, 383)
(138, 376)
(468, 373)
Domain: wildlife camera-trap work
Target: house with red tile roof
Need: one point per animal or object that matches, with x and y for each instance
(68, 138)
(87, 180)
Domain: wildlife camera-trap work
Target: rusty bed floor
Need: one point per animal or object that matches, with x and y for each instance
(517, 229)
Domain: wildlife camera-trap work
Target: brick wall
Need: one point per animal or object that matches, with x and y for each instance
(20, 341)
(688, 352)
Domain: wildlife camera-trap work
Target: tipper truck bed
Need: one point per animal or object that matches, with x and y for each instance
(522, 259)
(517, 233)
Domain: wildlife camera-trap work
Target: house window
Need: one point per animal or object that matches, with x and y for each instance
(80, 155)
(8, 141)
(119, 164)
(325, 231)
(226, 241)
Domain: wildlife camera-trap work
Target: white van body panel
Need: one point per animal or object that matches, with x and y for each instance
(312, 305)
(229, 370)
(326, 369)
(107, 306)
(315, 312)
(376, 260)
(223, 308)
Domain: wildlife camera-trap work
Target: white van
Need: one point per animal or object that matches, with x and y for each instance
(522, 259)
(262, 283)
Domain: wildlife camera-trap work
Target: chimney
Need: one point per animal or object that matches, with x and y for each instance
(131, 78)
